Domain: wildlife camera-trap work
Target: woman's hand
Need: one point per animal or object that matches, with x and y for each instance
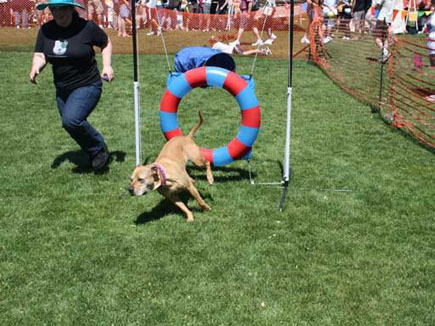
(107, 73)
(37, 65)
(34, 72)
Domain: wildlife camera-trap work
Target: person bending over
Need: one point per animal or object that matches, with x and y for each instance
(67, 43)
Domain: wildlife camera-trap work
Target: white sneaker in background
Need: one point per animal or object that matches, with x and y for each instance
(258, 43)
(270, 40)
(327, 39)
(385, 56)
(430, 98)
(345, 38)
(305, 40)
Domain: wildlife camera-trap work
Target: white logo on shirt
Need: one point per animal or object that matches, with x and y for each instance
(60, 47)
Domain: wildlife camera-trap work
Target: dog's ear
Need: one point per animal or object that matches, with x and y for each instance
(156, 177)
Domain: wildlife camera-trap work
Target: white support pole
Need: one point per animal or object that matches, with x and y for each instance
(286, 173)
(287, 169)
(137, 123)
(136, 87)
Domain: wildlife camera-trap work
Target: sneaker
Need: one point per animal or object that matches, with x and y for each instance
(385, 56)
(270, 40)
(159, 31)
(305, 40)
(151, 33)
(430, 98)
(327, 39)
(258, 43)
(101, 160)
(345, 38)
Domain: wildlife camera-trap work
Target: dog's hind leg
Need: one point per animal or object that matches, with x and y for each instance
(193, 153)
(200, 162)
(210, 178)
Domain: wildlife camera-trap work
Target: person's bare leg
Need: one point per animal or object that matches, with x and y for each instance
(257, 34)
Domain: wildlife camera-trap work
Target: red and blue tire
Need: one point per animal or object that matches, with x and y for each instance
(244, 94)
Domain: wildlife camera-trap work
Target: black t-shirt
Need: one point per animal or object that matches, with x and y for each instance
(360, 5)
(70, 51)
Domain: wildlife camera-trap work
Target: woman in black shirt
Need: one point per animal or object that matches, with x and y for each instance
(67, 43)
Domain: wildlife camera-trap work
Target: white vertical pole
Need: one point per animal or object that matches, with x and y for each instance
(136, 87)
(137, 123)
(286, 173)
(287, 169)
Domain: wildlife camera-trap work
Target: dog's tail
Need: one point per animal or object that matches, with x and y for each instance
(198, 125)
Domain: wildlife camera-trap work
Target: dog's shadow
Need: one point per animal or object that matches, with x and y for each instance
(81, 161)
(230, 174)
(165, 207)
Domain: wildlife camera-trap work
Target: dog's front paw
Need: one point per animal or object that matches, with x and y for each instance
(190, 219)
(189, 216)
(205, 207)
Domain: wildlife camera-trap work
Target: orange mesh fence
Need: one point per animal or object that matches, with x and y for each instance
(399, 82)
(174, 22)
(413, 88)
(185, 16)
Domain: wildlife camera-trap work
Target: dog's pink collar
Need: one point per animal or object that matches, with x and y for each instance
(161, 172)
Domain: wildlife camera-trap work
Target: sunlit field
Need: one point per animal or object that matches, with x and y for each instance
(353, 245)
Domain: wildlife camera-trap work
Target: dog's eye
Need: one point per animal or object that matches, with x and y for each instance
(141, 180)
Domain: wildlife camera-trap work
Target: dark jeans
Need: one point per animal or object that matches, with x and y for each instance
(74, 108)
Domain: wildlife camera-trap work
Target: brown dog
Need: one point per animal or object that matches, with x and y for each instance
(168, 173)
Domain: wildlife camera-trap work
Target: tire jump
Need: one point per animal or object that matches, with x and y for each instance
(242, 91)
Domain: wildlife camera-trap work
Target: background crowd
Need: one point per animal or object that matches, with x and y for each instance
(153, 14)
(338, 17)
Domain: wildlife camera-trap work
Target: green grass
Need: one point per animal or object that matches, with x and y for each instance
(76, 250)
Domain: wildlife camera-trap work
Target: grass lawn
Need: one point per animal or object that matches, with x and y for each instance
(354, 245)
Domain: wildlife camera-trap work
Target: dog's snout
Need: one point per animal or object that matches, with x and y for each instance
(130, 190)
